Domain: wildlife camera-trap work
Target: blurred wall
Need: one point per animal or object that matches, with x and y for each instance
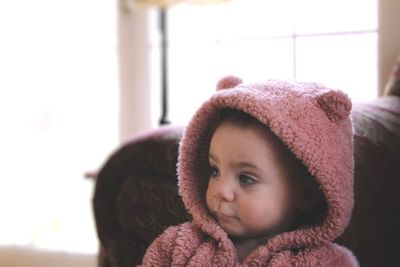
(134, 51)
(388, 39)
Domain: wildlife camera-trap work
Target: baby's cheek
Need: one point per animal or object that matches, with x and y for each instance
(261, 210)
(251, 211)
(209, 199)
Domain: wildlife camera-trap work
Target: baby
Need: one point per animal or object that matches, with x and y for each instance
(265, 170)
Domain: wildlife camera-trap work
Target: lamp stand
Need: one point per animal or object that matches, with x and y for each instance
(164, 67)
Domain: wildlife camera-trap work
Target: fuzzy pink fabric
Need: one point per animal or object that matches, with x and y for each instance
(313, 121)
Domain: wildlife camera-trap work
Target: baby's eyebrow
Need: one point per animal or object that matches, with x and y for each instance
(238, 164)
(245, 164)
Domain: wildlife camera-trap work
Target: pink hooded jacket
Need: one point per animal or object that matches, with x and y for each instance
(313, 121)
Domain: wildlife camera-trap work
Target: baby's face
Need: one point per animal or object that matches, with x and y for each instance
(251, 192)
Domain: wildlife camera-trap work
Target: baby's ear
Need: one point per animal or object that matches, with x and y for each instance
(336, 104)
(228, 82)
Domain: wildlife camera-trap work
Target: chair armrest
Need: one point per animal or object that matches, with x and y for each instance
(136, 196)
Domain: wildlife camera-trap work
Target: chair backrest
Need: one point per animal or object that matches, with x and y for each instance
(374, 230)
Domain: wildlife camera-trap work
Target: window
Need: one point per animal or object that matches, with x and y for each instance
(332, 42)
(59, 115)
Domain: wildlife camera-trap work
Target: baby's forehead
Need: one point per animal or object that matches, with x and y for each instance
(262, 130)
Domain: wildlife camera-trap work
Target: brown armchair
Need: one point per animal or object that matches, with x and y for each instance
(136, 197)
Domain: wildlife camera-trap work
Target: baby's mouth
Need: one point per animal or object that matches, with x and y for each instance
(223, 215)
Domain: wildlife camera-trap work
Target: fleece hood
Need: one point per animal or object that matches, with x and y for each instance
(311, 119)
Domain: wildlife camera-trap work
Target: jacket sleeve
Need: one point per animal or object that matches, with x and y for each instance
(159, 253)
(343, 257)
(329, 255)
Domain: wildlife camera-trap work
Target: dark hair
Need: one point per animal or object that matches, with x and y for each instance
(238, 117)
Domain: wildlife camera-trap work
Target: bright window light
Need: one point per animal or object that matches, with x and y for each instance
(325, 16)
(346, 62)
(332, 42)
(59, 115)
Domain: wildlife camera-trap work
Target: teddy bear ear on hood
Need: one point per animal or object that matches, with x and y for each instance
(336, 104)
(228, 82)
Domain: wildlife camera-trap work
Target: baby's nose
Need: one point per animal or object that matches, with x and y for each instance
(225, 190)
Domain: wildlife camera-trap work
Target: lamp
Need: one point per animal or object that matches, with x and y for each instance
(163, 5)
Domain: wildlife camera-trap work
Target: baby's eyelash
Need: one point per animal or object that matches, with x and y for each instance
(214, 171)
(246, 179)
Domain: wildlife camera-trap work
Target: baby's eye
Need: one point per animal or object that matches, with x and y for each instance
(246, 180)
(214, 172)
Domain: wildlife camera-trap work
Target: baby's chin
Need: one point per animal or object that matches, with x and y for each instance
(238, 233)
(263, 236)
(232, 226)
